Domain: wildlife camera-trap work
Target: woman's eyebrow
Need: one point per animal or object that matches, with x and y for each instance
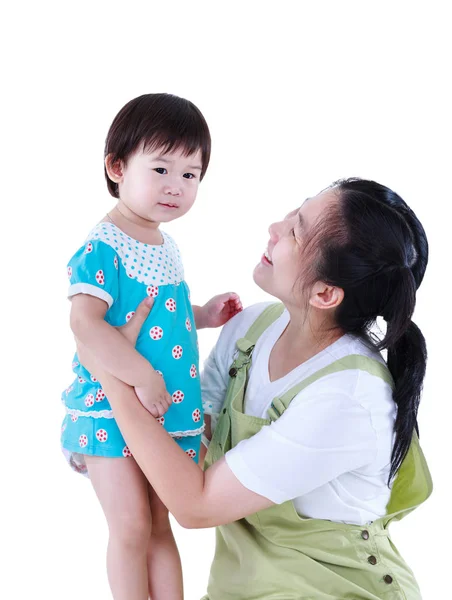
(301, 221)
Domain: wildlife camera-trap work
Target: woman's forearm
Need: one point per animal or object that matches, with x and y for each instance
(178, 481)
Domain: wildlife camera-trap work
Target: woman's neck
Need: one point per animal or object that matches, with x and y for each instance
(304, 337)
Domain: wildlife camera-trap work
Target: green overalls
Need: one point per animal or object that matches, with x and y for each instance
(275, 554)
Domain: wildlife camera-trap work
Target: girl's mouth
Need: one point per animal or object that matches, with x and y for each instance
(168, 205)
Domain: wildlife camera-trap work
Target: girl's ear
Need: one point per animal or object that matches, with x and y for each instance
(114, 169)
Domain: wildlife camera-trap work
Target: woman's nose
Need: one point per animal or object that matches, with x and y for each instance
(273, 230)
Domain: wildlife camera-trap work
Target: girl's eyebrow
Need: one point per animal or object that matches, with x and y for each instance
(168, 161)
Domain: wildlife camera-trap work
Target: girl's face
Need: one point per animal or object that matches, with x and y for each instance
(279, 269)
(159, 187)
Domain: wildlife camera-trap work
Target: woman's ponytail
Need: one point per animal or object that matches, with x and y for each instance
(407, 360)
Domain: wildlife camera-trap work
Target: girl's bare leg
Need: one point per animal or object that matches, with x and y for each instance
(123, 493)
(164, 565)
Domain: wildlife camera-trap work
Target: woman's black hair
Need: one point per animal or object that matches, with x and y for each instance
(157, 121)
(376, 250)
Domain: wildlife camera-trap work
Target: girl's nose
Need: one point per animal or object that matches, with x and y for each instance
(172, 190)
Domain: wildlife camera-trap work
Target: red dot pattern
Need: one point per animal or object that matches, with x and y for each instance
(152, 290)
(193, 371)
(171, 305)
(188, 324)
(83, 441)
(156, 333)
(129, 315)
(100, 395)
(69, 272)
(126, 452)
(191, 453)
(196, 414)
(88, 248)
(177, 352)
(101, 435)
(89, 400)
(100, 277)
(161, 420)
(178, 396)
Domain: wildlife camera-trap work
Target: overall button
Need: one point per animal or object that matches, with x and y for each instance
(372, 559)
(365, 534)
(387, 579)
(232, 372)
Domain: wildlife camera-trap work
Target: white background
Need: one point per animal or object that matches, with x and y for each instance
(297, 94)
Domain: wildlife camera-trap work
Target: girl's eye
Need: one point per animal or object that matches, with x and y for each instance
(161, 170)
(292, 231)
(189, 176)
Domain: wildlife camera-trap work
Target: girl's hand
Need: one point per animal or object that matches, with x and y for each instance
(219, 309)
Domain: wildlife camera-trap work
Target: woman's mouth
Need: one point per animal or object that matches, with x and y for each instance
(266, 258)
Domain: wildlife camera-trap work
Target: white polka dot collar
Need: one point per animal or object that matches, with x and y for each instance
(152, 265)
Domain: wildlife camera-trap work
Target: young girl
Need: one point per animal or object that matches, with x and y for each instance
(157, 151)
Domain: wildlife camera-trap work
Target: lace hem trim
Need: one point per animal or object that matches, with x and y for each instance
(108, 414)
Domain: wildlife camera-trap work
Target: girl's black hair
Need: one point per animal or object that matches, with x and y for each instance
(157, 121)
(376, 250)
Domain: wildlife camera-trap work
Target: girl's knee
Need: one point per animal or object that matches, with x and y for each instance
(160, 516)
(131, 530)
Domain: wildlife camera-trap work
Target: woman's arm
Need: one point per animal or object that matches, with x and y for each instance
(197, 499)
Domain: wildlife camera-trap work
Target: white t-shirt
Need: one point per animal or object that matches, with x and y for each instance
(330, 451)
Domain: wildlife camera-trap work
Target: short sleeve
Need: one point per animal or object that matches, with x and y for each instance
(213, 385)
(94, 270)
(314, 442)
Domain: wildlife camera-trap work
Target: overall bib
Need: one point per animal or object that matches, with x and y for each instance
(275, 554)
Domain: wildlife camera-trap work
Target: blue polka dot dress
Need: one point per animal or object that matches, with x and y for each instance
(122, 271)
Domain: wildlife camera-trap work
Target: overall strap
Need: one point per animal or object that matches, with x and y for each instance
(264, 320)
(353, 361)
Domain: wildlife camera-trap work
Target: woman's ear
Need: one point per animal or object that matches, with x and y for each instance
(114, 169)
(325, 296)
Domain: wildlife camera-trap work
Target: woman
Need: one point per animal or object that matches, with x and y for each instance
(315, 449)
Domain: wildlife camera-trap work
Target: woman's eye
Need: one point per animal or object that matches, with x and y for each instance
(189, 176)
(161, 170)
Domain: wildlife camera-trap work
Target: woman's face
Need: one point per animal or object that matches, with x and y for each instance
(280, 267)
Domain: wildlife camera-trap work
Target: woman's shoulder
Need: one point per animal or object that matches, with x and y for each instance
(240, 323)
(358, 386)
(236, 328)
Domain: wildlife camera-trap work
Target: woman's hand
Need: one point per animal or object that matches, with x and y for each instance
(130, 331)
(132, 328)
(153, 395)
